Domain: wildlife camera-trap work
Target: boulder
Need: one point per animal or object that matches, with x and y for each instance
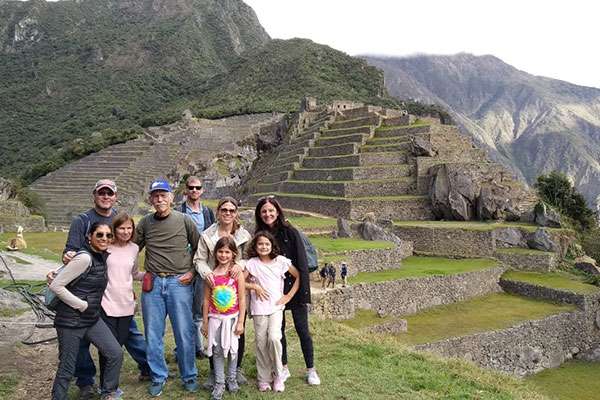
(510, 237)
(541, 240)
(370, 231)
(469, 191)
(343, 228)
(587, 264)
(544, 215)
(421, 147)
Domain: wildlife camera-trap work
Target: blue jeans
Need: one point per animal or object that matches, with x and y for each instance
(169, 297)
(85, 370)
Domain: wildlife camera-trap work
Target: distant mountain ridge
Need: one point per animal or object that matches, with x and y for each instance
(532, 124)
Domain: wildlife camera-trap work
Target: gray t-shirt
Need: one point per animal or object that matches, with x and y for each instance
(170, 242)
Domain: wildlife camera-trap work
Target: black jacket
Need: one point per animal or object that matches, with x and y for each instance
(89, 287)
(291, 246)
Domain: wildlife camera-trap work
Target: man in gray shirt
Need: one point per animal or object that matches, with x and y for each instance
(170, 239)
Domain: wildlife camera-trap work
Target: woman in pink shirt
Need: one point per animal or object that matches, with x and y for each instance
(118, 301)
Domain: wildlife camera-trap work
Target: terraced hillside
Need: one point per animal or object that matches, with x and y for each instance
(368, 159)
(161, 152)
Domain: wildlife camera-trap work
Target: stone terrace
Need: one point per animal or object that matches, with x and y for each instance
(362, 160)
(134, 164)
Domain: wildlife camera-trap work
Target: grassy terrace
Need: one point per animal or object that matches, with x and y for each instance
(313, 222)
(572, 380)
(328, 245)
(316, 196)
(415, 267)
(559, 280)
(493, 312)
(470, 225)
(394, 127)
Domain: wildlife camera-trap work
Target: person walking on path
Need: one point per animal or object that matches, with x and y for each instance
(323, 272)
(331, 276)
(203, 217)
(224, 311)
(170, 239)
(227, 225)
(269, 269)
(80, 288)
(344, 274)
(269, 216)
(105, 197)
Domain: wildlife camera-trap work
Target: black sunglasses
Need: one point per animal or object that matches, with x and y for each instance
(195, 187)
(100, 235)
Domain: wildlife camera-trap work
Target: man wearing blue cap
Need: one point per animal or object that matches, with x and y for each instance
(170, 239)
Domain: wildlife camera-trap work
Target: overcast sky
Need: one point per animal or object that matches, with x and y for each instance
(556, 39)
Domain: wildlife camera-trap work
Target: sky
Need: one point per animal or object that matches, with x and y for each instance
(551, 38)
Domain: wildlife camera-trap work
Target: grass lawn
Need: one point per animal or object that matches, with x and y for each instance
(354, 366)
(471, 225)
(313, 223)
(572, 380)
(416, 266)
(48, 245)
(329, 245)
(556, 280)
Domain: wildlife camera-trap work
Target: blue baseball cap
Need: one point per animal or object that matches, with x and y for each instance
(160, 184)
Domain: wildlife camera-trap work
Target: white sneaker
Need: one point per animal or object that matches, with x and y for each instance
(285, 374)
(312, 378)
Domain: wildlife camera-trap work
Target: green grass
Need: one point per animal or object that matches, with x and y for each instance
(329, 245)
(556, 280)
(522, 251)
(395, 127)
(492, 312)
(313, 222)
(413, 267)
(572, 380)
(354, 366)
(471, 225)
(48, 245)
(8, 384)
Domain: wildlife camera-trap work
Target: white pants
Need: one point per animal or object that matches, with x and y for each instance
(267, 332)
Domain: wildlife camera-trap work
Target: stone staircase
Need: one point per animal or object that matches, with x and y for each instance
(134, 164)
(362, 161)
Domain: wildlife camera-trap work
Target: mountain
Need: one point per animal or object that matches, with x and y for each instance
(532, 124)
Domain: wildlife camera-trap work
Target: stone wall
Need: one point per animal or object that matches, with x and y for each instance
(32, 223)
(407, 296)
(584, 302)
(449, 242)
(540, 262)
(527, 348)
(375, 260)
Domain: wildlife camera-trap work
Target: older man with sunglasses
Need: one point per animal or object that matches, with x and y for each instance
(105, 197)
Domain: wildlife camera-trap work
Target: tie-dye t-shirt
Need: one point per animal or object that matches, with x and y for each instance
(224, 296)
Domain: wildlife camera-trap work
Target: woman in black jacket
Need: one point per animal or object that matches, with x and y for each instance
(80, 288)
(269, 216)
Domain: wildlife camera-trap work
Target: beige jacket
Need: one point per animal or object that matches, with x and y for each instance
(204, 259)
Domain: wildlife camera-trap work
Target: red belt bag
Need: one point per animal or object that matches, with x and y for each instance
(148, 282)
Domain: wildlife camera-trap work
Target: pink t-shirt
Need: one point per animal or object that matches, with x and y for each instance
(122, 269)
(270, 277)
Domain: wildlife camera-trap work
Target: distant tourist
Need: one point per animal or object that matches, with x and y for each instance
(269, 269)
(105, 197)
(269, 216)
(227, 225)
(344, 274)
(331, 272)
(224, 312)
(170, 239)
(80, 288)
(323, 274)
(203, 217)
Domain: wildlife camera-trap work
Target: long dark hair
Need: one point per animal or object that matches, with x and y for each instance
(228, 242)
(274, 247)
(260, 225)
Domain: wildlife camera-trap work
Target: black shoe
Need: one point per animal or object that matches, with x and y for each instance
(86, 392)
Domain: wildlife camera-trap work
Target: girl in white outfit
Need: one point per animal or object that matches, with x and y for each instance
(268, 269)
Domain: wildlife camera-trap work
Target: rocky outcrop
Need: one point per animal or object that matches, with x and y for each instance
(541, 240)
(476, 191)
(544, 215)
(587, 264)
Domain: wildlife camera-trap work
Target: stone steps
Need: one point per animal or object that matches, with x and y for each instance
(332, 141)
(357, 122)
(335, 150)
(354, 160)
(276, 177)
(380, 148)
(330, 133)
(349, 173)
(357, 188)
(388, 207)
(401, 131)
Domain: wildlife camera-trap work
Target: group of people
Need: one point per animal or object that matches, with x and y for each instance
(198, 268)
(328, 273)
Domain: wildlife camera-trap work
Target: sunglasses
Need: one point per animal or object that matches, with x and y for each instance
(195, 187)
(101, 235)
(108, 193)
(228, 210)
